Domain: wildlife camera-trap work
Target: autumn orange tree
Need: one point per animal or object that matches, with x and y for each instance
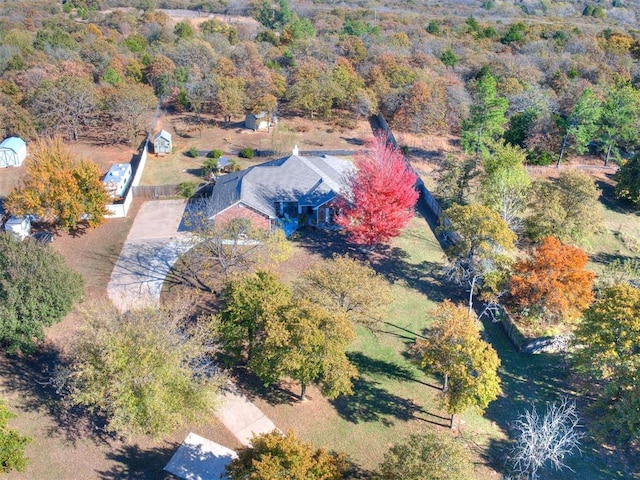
(454, 349)
(59, 188)
(382, 195)
(553, 284)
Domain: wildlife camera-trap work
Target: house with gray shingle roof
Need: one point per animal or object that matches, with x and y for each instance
(293, 186)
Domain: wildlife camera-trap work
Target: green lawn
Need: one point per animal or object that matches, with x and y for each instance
(392, 398)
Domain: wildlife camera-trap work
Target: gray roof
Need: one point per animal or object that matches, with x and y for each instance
(163, 134)
(312, 181)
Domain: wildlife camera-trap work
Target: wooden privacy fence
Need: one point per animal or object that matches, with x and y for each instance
(155, 191)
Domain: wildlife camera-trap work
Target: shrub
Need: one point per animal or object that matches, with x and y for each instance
(215, 153)
(539, 157)
(233, 165)
(187, 189)
(209, 166)
(246, 152)
(433, 27)
(449, 58)
(193, 151)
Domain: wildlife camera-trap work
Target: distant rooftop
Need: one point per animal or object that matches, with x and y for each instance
(163, 134)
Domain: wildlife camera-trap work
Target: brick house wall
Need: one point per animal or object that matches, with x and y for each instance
(240, 211)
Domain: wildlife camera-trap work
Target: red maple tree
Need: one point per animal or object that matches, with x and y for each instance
(382, 195)
(553, 282)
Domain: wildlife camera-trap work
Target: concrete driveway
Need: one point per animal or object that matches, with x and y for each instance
(152, 247)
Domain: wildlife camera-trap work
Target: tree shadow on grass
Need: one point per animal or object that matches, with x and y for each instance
(32, 377)
(253, 387)
(609, 200)
(372, 366)
(425, 277)
(326, 243)
(134, 462)
(371, 403)
(604, 258)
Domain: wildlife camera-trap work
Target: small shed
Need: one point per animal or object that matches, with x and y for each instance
(162, 143)
(259, 121)
(200, 459)
(117, 179)
(20, 227)
(13, 151)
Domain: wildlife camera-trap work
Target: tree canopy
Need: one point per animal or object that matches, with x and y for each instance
(427, 456)
(281, 336)
(59, 188)
(608, 343)
(37, 289)
(553, 285)
(479, 238)
(567, 208)
(250, 302)
(382, 195)
(505, 184)
(453, 348)
(146, 371)
(12, 444)
(273, 456)
(487, 117)
(582, 123)
(227, 247)
(347, 286)
(628, 180)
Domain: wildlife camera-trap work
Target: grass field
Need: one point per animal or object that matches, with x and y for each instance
(392, 398)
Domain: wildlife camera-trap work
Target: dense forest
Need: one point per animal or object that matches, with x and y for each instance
(567, 70)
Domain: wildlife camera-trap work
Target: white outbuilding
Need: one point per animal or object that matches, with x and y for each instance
(19, 227)
(13, 151)
(162, 144)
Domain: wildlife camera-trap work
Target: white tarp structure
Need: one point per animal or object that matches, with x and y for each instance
(20, 227)
(13, 151)
(200, 459)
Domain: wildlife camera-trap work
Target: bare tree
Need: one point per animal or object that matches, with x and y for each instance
(225, 247)
(546, 440)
